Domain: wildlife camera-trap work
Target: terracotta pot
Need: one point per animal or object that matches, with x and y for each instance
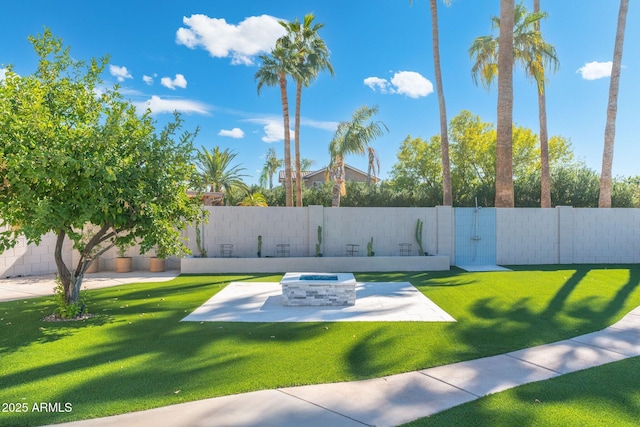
(156, 265)
(94, 267)
(124, 264)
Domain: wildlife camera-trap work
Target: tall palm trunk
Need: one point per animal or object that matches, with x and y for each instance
(612, 110)
(282, 79)
(338, 181)
(444, 138)
(297, 145)
(504, 144)
(545, 173)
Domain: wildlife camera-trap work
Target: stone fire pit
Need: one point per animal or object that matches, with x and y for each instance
(300, 289)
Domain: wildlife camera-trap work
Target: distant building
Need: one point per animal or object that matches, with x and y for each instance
(209, 198)
(316, 178)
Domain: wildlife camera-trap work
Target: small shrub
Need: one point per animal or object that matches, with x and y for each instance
(66, 310)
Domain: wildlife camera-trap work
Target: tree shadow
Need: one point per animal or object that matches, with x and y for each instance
(508, 326)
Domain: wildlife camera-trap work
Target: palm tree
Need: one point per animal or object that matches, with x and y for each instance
(274, 70)
(352, 138)
(604, 200)
(373, 170)
(310, 57)
(305, 164)
(504, 143)
(534, 54)
(447, 199)
(545, 173)
(271, 166)
(216, 171)
(253, 199)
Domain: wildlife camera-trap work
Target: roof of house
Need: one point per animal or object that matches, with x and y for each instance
(306, 175)
(209, 198)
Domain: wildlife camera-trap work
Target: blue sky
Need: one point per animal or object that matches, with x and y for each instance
(199, 57)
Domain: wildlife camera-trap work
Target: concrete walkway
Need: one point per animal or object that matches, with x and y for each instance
(391, 400)
(35, 286)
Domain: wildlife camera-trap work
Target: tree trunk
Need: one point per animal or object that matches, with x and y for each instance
(297, 145)
(287, 141)
(444, 137)
(72, 281)
(63, 272)
(606, 176)
(504, 144)
(545, 173)
(338, 181)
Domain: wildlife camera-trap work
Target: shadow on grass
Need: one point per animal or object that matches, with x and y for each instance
(574, 309)
(605, 395)
(140, 355)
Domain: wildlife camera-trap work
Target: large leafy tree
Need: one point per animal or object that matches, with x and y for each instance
(352, 137)
(418, 164)
(275, 68)
(473, 154)
(310, 56)
(534, 54)
(72, 160)
(444, 138)
(216, 171)
(606, 173)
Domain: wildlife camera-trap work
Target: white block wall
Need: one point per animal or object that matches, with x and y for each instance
(241, 226)
(606, 236)
(524, 235)
(388, 226)
(566, 235)
(28, 260)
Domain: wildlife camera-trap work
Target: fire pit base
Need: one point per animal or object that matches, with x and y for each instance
(317, 289)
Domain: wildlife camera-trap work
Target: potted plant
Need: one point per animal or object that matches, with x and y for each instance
(124, 263)
(157, 263)
(370, 251)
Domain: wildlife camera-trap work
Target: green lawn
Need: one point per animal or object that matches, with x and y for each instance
(607, 395)
(136, 354)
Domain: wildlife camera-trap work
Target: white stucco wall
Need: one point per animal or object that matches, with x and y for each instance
(524, 235)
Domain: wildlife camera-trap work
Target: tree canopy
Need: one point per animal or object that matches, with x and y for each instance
(473, 148)
(80, 162)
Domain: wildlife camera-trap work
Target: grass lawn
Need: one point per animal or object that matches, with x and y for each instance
(607, 395)
(136, 354)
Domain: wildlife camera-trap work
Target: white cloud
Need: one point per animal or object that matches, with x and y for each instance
(147, 79)
(178, 81)
(376, 83)
(273, 129)
(409, 83)
(253, 36)
(3, 73)
(236, 133)
(120, 73)
(274, 132)
(595, 70)
(330, 126)
(158, 105)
